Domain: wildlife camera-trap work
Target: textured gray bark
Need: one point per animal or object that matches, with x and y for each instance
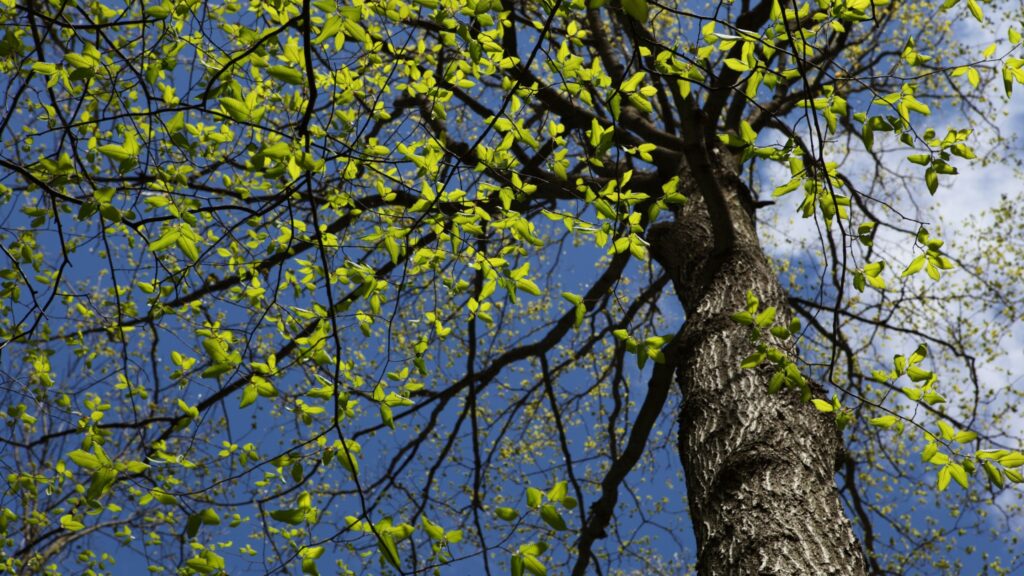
(759, 467)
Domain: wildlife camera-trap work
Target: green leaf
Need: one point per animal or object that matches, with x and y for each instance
(330, 29)
(236, 109)
(752, 302)
(533, 497)
(528, 286)
(965, 437)
(944, 477)
(188, 247)
(920, 353)
(917, 374)
(387, 547)
(766, 317)
(972, 5)
(1012, 460)
(263, 387)
(286, 74)
(163, 497)
(753, 360)
(216, 349)
(101, 481)
(209, 516)
(84, 459)
(883, 421)
(572, 298)
(44, 68)
(192, 525)
(135, 467)
(506, 514)
(973, 76)
(115, 152)
(168, 239)
(533, 548)
(946, 431)
(552, 518)
(68, 522)
(915, 265)
(190, 411)
(931, 179)
(79, 61)
(348, 461)
(822, 405)
(249, 395)
(532, 564)
(633, 82)
(912, 393)
(930, 450)
(747, 132)
(277, 151)
(958, 473)
(900, 364)
(206, 563)
(159, 11)
(638, 9)
(558, 491)
(291, 516)
(433, 530)
(744, 317)
(993, 473)
(736, 65)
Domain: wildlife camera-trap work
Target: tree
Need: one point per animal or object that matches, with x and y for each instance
(359, 287)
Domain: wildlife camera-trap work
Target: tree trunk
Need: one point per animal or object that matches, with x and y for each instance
(759, 466)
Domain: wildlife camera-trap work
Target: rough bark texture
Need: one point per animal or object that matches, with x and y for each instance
(759, 467)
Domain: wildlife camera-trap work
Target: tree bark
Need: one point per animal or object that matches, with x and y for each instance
(759, 466)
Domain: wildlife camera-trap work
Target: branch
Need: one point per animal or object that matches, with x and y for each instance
(601, 511)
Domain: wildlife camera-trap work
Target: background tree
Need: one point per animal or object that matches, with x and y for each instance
(368, 287)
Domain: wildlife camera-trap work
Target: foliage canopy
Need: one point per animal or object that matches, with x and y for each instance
(364, 286)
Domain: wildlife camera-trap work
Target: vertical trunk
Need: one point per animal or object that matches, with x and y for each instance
(759, 467)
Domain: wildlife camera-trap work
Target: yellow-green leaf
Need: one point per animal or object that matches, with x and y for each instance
(68, 522)
(84, 459)
(638, 9)
(552, 518)
(286, 74)
(736, 65)
(115, 152)
(883, 421)
(822, 405)
(972, 5)
(944, 477)
(958, 473)
(163, 497)
(507, 514)
(993, 473)
(235, 108)
(1012, 460)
